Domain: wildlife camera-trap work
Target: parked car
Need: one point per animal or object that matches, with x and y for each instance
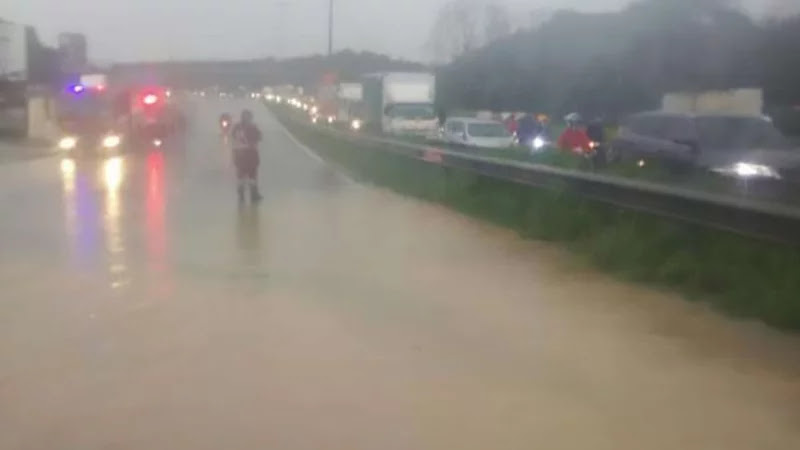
(742, 146)
(476, 133)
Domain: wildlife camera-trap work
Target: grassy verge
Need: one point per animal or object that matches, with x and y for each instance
(743, 277)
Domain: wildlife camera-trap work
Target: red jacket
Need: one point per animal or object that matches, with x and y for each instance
(245, 136)
(511, 125)
(574, 139)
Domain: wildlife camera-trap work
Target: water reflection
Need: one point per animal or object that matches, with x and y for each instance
(113, 172)
(93, 222)
(80, 212)
(248, 234)
(68, 174)
(155, 207)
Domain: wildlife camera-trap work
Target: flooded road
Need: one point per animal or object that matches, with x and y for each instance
(142, 308)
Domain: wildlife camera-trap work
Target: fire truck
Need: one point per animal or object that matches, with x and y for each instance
(96, 116)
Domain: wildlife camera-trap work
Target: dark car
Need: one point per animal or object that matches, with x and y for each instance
(742, 146)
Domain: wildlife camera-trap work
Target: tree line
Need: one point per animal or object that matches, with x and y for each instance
(615, 63)
(305, 71)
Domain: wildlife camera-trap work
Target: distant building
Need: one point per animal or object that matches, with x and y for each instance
(72, 52)
(13, 52)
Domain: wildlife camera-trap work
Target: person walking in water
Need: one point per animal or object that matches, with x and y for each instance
(245, 137)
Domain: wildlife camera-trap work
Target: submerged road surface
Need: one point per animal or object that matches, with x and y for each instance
(141, 308)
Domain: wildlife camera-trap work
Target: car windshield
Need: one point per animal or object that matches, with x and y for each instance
(412, 111)
(487, 130)
(739, 133)
(85, 104)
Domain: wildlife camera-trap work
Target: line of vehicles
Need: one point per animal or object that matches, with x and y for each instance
(398, 104)
(719, 132)
(393, 103)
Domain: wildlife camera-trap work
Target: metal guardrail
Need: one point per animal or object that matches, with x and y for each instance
(743, 216)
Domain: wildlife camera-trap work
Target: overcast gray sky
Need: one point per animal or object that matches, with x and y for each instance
(232, 29)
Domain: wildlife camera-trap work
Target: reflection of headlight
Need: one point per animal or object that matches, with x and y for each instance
(538, 143)
(314, 119)
(67, 143)
(112, 173)
(111, 141)
(749, 170)
(330, 119)
(67, 167)
(355, 124)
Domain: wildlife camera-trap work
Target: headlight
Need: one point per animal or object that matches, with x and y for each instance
(314, 110)
(538, 143)
(330, 119)
(67, 143)
(593, 145)
(111, 141)
(749, 170)
(355, 124)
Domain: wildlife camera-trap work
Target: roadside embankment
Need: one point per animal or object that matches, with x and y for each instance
(742, 276)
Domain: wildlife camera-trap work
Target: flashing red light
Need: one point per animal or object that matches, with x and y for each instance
(150, 99)
(100, 87)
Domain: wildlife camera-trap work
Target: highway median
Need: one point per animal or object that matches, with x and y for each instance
(741, 275)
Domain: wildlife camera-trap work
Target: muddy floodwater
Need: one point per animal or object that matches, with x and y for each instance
(142, 308)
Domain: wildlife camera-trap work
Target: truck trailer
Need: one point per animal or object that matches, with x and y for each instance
(400, 102)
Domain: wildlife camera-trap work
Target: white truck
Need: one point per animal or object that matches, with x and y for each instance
(349, 100)
(400, 102)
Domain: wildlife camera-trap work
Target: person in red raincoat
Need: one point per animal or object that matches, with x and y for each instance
(574, 137)
(512, 124)
(245, 137)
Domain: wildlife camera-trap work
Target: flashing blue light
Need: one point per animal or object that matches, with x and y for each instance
(77, 88)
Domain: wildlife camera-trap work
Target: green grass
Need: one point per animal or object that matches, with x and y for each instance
(741, 276)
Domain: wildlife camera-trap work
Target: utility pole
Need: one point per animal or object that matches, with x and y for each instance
(330, 28)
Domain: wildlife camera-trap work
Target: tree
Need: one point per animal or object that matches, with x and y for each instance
(620, 62)
(455, 30)
(497, 23)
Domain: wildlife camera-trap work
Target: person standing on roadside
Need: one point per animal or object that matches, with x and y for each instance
(511, 123)
(245, 137)
(574, 138)
(528, 128)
